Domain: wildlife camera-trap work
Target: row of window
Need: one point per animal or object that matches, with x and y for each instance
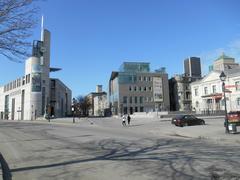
(140, 88)
(214, 90)
(136, 99)
(17, 83)
(222, 102)
(124, 78)
(131, 110)
(237, 88)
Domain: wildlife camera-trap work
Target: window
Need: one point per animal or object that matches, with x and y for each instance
(130, 99)
(145, 88)
(27, 78)
(145, 99)
(14, 84)
(140, 99)
(125, 110)
(139, 78)
(144, 78)
(23, 80)
(196, 92)
(141, 109)
(197, 104)
(135, 88)
(150, 88)
(124, 99)
(134, 78)
(205, 90)
(140, 88)
(237, 84)
(130, 88)
(238, 101)
(149, 99)
(136, 109)
(149, 78)
(136, 99)
(214, 88)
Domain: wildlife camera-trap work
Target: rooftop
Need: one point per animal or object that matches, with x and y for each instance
(223, 56)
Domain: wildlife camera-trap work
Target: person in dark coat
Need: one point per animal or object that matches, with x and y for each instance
(128, 119)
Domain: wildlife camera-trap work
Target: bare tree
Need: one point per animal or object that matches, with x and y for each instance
(17, 18)
(82, 105)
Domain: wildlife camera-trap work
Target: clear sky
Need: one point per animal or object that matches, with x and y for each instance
(91, 38)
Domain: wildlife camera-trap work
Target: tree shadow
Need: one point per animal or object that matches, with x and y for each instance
(165, 158)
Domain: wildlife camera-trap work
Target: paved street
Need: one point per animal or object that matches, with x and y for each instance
(100, 148)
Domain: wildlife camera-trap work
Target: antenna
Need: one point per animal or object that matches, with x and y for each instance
(42, 28)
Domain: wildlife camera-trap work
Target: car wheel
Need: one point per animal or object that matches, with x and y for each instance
(202, 123)
(185, 124)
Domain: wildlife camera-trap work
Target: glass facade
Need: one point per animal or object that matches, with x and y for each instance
(134, 67)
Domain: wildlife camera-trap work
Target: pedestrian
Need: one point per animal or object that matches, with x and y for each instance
(124, 120)
(129, 119)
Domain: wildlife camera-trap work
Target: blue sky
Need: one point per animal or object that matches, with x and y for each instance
(91, 38)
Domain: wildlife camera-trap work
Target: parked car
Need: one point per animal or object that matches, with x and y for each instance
(187, 120)
(234, 117)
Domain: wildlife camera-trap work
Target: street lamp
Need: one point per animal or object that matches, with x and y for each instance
(73, 109)
(223, 79)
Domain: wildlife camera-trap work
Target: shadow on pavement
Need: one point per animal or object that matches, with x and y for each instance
(166, 158)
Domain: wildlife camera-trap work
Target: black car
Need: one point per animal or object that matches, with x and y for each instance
(187, 120)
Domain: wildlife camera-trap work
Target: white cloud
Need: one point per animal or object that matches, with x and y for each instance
(207, 58)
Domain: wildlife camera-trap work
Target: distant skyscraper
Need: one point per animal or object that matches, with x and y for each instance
(192, 67)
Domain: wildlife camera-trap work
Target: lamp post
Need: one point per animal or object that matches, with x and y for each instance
(223, 79)
(73, 109)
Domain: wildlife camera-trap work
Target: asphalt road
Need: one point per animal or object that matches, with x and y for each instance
(101, 149)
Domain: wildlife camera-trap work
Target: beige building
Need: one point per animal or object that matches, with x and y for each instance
(224, 63)
(134, 88)
(35, 94)
(98, 102)
(207, 94)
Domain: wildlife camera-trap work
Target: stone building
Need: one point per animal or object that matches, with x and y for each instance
(35, 94)
(207, 94)
(179, 85)
(98, 102)
(134, 88)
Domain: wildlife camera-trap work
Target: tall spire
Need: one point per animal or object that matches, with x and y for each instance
(42, 28)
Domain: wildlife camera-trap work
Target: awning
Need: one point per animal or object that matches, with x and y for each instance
(213, 96)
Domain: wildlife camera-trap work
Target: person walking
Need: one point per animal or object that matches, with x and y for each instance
(129, 119)
(124, 120)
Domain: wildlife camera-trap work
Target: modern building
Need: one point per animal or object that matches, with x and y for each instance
(207, 94)
(98, 102)
(192, 67)
(179, 85)
(35, 94)
(134, 88)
